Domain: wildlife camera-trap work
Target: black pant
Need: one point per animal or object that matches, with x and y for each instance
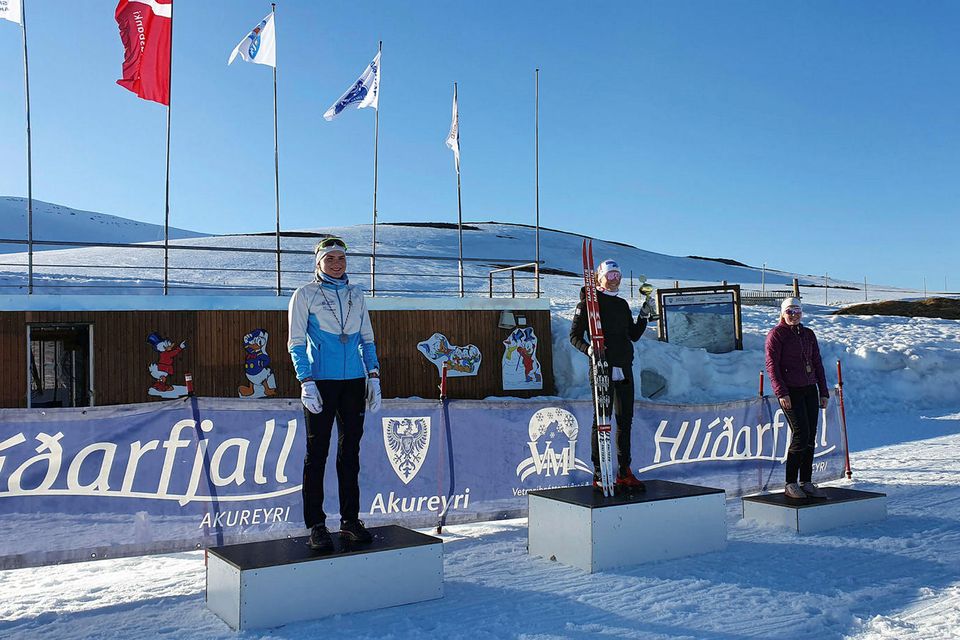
(621, 396)
(344, 400)
(802, 417)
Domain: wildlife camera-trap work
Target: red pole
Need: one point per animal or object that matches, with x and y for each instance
(843, 419)
(761, 384)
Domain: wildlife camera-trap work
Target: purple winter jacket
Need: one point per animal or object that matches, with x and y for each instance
(788, 351)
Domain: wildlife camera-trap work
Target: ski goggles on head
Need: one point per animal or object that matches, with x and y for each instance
(326, 243)
(329, 245)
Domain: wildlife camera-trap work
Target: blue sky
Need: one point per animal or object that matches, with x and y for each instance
(815, 136)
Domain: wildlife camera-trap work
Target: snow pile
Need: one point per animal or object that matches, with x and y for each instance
(889, 363)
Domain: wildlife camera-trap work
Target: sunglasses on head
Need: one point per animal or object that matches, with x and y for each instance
(326, 243)
(793, 311)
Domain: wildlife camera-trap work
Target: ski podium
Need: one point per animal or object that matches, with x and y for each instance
(258, 585)
(611, 525)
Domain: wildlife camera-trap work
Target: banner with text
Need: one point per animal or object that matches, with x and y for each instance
(101, 482)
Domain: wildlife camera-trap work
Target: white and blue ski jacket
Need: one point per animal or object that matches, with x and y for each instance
(319, 314)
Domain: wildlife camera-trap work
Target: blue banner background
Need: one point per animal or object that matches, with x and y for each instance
(196, 472)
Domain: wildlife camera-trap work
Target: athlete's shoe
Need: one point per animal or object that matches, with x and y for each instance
(320, 539)
(627, 480)
(812, 490)
(793, 490)
(354, 531)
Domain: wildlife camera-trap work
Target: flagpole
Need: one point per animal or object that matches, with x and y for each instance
(166, 207)
(536, 153)
(26, 85)
(459, 207)
(276, 155)
(376, 148)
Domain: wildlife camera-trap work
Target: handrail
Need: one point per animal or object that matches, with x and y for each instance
(513, 280)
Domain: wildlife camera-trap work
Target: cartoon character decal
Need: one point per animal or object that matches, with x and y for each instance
(520, 367)
(461, 361)
(257, 367)
(162, 369)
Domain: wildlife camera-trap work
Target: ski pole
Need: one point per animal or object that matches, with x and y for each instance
(843, 420)
(761, 384)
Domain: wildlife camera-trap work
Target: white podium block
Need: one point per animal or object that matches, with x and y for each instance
(267, 584)
(840, 508)
(578, 526)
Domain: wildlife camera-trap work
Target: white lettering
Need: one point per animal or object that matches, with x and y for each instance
(136, 452)
(51, 453)
(258, 476)
(102, 481)
(392, 503)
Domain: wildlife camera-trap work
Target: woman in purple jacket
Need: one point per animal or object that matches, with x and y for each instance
(796, 373)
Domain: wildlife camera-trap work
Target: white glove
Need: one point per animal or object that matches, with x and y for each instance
(310, 396)
(373, 395)
(648, 308)
(616, 374)
(589, 350)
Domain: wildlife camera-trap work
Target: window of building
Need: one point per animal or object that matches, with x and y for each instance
(60, 367)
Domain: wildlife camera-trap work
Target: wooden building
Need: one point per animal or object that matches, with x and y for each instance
(104, 350)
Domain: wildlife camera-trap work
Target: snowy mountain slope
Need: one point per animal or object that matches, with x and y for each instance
(487, 246)
(56, 222)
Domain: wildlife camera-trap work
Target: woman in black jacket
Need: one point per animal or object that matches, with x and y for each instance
(620, 331)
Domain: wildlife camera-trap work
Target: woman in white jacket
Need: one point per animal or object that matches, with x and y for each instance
(332, 346)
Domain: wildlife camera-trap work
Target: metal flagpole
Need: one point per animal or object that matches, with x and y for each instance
(26, 85)
(166, 207)
(536, 266)
(459, 206)
(276, 154)
(376, 147)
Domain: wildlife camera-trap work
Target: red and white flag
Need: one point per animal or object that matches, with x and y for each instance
(145, 28)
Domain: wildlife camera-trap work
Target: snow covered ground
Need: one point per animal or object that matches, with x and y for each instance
(899, 578)
(896, 579)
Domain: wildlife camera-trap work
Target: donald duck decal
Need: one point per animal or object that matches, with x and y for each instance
(262, 384)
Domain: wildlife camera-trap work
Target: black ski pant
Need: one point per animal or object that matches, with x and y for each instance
(344, 400)
(802, 417)
(621, 399)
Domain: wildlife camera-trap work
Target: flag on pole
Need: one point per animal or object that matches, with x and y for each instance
(259, 46)
(365, 92)
(453, 138)
(145, 30)
(10, 10)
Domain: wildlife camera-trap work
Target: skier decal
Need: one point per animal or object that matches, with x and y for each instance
(519, 366)
(162, 369)
(257, 367)
(554, 427)
(461, 361)
(406, 441)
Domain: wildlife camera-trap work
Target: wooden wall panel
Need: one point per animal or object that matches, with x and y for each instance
(215, 356)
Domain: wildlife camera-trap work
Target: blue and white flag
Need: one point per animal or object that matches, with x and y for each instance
(365, 92)
(259, 46)
(10, 10)
(453, 138)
